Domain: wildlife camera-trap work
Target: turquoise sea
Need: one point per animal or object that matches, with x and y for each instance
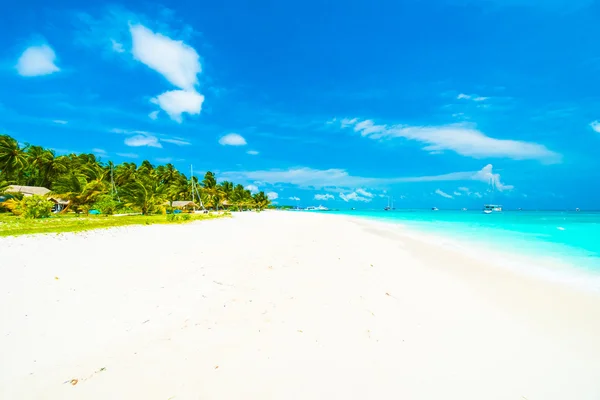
(569, 238)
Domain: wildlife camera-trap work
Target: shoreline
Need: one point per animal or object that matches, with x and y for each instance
(531, 260)
(287, 306)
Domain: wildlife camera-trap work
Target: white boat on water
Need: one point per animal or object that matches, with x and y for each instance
(434, 209)
(320, 208)
(491, 208)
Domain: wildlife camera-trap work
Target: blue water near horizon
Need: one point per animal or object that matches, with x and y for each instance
(572, 238)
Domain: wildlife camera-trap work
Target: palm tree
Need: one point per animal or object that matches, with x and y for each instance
(13, 158)
(209, 185)
(226, 189)
(261, 201)
(80, 193)
(145, 194)
(3, 185)
(240, 197)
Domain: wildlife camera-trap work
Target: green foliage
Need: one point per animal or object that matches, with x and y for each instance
(36, 207)
(87, 183)
(13, 225)
(106, 205)
(178, 217)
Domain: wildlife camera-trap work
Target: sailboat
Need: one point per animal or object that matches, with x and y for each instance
(390, 207)
(492, 208)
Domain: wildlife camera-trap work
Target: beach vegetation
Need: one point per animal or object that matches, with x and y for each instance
(36, 183)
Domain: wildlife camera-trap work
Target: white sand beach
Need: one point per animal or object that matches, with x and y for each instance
(283, 305)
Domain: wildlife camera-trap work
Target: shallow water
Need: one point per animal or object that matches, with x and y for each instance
(573, 238)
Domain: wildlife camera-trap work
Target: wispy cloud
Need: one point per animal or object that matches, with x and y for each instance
(252, 152)
(356, 196)
(153, 115)
(128, 155)
(100, 152)
(272, 195)
(60, 122)
(164, 160)
(117, 47)
(339, 178)
(252, 188)
(294, 198)
(463, 139)
(595, 126)
(443, 194)
(158, 137)
(178, 142)
(324, 197)
(232, 139)
(37, 61)
(473, 97)
(143, 140)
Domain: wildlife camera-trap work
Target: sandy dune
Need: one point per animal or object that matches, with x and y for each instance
(283, 306)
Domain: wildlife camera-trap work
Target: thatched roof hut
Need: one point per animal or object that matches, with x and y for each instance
(184, 204)
(28, 190)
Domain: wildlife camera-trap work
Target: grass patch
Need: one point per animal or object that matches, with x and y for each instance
(11, 225)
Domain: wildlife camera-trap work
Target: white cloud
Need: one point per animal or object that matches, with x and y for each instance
(99, 152)
(164, 160)
(178, 142)
(60, 122)
(346, 122)
(116, 46)
(443, 194)
(173, 59)
(363, 192)
(128, 155)
(143, 140)
(232, 139)
(464, 189)
(595, 126)
(37, 61)
(252, 152)
(153, 114)
(463, 96)
(324, 197)
(463, 139)
(486, 175)
(457, 193)
(295, 198)
(252, 188)
(177, 102)
(340, 178)
(477, 194)
(354, 196)
(272, 195)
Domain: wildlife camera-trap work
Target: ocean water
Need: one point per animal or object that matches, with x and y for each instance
(551, 241)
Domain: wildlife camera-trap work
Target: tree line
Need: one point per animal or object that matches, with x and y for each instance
(88, 183)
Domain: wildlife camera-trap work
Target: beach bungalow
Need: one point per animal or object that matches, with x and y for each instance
(184, 205)
(28, 190)
(59, 204)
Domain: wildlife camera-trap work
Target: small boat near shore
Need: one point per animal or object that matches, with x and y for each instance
(491, 208)
(319, 208)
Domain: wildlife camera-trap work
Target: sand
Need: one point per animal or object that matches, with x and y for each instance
(283, 305)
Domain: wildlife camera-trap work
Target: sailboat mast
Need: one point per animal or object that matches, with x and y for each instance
(192, 179)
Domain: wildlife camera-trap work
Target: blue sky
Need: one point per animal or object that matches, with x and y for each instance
(338, 103)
